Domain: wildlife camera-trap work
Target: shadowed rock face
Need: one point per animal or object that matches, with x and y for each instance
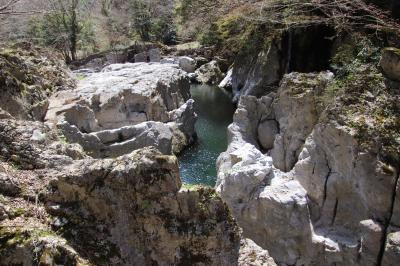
(125, 107)
(314, 197)
(302, 50)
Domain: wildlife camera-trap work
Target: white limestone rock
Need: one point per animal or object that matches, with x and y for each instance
(187, 64)
(151, 101)
(313, 198)
(226, 83)
(251, 254)
(267, 131)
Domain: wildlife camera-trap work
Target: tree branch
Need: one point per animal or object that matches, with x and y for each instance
(7, 6)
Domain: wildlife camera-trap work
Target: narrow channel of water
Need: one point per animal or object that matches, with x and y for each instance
(215, 111)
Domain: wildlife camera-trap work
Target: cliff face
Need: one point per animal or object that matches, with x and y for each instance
(312, 170)
(258, 71)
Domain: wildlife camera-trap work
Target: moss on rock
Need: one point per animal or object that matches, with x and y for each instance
(28, 75)
(361, 100)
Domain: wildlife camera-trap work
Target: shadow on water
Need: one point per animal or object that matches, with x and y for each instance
(215, 111)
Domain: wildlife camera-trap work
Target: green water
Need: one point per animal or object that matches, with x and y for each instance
(215, 111)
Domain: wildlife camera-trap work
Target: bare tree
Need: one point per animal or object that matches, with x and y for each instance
(64, 23)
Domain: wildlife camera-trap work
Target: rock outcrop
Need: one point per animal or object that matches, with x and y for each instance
(186, 63)
(261, 64)
(257, 74)
(59, 206)
(126, 107)
(253, 255)
(32, 145)
(135, 204)
(28, 76)
(302, 184)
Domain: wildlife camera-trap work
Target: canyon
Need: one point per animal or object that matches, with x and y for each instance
(90, 166)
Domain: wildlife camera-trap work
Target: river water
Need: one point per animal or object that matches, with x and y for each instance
(215, 111)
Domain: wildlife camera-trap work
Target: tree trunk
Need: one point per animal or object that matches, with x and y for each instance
(74, 30)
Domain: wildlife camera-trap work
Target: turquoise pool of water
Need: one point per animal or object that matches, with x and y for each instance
(215, 111)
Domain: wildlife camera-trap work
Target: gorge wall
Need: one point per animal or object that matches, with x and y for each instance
(312, 169)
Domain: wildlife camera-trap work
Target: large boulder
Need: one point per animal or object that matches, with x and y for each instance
(152, 55)
(155, 55)
(125, 107)
(188, 64)
(209, 73)
(135, 204)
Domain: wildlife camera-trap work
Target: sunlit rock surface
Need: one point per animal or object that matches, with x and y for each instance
(300, 184)
(125, 107)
